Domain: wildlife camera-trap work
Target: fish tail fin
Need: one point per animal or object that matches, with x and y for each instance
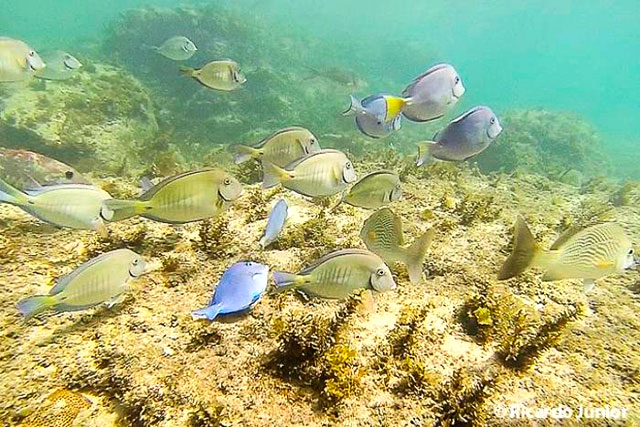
(31, 306)
(526, 252)
(187, 71)
(10, 194)
(208, 313)
(415, 254)
(244, 153)
(395, 104)
(117, 210)
(285, 281)
(424, 152)
(354, 106)
(273, 175)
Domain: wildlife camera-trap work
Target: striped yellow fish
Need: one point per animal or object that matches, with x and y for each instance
(320, 174)
(101, 280)
(281, 147)
(66, 205)
(187, 197)
(382, 235)
(589, 254)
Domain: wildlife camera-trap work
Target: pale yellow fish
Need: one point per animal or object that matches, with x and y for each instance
(187, 197)
(17, 60)
(322, 173)
(375, 190)
(66, 205)
(339, 274)
(382, 234)
(103, 279)
(281, 147)
(222, 75)
(589, 254)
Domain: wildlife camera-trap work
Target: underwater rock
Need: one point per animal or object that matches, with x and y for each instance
(101, 121)
(540, 141)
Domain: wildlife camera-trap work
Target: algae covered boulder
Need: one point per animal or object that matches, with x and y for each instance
(100, 121)
(545, 142)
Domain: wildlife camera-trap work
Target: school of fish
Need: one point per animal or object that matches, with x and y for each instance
(55, 193)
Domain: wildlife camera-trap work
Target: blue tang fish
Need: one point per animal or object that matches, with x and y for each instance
(377, 115)
(275, 223)
(240, 287)
(432, 93)
(463, 138)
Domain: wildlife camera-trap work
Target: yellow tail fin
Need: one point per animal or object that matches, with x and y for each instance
(524, 253)
(273, 175)
(415, 256)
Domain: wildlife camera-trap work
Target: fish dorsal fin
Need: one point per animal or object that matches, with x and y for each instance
(47, 188)
(380, 172)
(268, 138)
(65, 280)
(153, 190)
(467, 114)
(431, 70)
(291, 166)
(565, 236)
(331, 256)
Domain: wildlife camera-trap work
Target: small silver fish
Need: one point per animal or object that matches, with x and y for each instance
(465, 137)
(275, 223)
(103, 279)
(589, 254)
(338, 274)
(382, 235)
(224, 75)
(60, 66)
(432, 93)
(17, 60)
(178, 48)
(320, 174)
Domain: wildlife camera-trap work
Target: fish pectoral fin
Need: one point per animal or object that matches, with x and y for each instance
(604, 265)
(588, 285)
(115, 300)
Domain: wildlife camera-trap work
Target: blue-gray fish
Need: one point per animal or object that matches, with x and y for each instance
(382, 235)
(17, 60)
(178, 48)
(377, 116)
(432, 93)
(338, 274)
(275, 223)
(60, 66)
(103, 279)
(588, 253)
(67, 205)
(239, 289)
(320, 174)
(465, 137)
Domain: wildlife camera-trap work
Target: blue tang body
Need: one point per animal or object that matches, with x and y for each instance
(275, 223)
(240, 287)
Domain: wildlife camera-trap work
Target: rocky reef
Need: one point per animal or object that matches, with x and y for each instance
(456, 349)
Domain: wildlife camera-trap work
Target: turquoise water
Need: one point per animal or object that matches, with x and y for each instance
(568, 55)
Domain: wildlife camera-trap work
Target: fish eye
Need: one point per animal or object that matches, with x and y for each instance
(68, 174)
(380, 272)
(227, 181)
(631, 251)
(493, 120)
(136, 261)
(312, 141)
(457, 79)
(348, 165)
